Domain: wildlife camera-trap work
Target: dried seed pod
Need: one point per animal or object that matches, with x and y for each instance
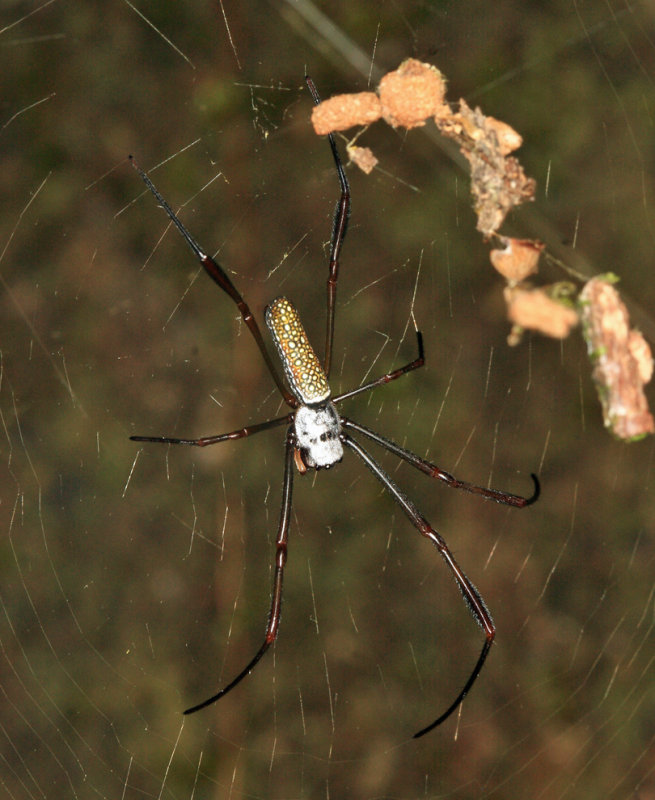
(518, 259)
(535, 310)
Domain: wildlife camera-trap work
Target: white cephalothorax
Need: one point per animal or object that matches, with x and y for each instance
(317, 430)
(317, 424)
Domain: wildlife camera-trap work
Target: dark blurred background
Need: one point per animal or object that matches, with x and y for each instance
(135, 579)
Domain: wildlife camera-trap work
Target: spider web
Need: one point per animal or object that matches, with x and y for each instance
(135, 581)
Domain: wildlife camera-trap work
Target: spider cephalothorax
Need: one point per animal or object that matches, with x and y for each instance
(317, 433)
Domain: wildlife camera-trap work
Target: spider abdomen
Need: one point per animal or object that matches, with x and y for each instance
(318, 430)
(306, 376)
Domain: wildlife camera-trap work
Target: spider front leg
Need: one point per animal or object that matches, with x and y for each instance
(339, 228)
(221, 278)
(472, 596)
(280, 561)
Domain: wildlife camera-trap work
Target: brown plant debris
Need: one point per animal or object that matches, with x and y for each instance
(622, 360)
(518, 259)
(498, 182)
(535, 310)
(411, 94)
(362, 157)
(344, 111)
(415, 92)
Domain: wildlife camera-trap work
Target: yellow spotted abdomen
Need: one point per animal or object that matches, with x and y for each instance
(304, 371)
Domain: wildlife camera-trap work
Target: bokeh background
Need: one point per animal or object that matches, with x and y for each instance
(135, 579)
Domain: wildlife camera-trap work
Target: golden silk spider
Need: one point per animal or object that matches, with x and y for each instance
(317, 433)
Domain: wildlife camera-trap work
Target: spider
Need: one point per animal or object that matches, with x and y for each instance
(317, 433)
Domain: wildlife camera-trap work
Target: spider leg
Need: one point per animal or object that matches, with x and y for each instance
(339, 228)
(280, 561)
(419, 361)
(219, 276)
(472, 597)
(505, 498)
(220, 437)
